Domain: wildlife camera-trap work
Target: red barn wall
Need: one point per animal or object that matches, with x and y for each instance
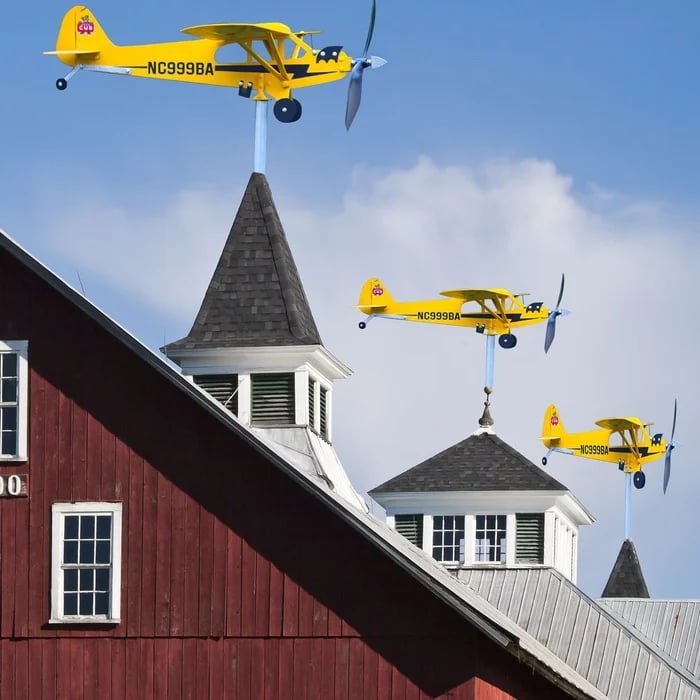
(236, 582)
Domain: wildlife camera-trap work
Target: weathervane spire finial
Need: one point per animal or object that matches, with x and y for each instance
(486, 421)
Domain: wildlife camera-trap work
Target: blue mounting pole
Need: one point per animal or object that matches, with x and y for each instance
(260, 136)
(490, 353)
(628, 503)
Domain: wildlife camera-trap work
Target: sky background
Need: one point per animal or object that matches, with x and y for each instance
(503, 144)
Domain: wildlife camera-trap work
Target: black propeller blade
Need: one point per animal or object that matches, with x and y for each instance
(358, 68)
(669, 448)
(552, 319)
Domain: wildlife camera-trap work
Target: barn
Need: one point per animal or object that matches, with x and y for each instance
(159, 541)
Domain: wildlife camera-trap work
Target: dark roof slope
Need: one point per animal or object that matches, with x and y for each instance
(482, 462)
(255, 297)
(626, 578)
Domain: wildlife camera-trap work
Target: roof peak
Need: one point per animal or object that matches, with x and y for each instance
(481, 462)
(626, 579)
(255, 296)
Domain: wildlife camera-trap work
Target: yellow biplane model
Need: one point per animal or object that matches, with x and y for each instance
(277, 59)
(489, 311)
(626, 442)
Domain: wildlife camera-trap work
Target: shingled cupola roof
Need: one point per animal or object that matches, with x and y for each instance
(626, 578)
(482, 462)
(255, 297)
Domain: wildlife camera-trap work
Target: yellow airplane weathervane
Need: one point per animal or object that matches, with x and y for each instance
(278, 61)
(626, 442)
(491, 312)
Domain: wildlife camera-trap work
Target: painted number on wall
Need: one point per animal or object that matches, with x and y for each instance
(13, 486)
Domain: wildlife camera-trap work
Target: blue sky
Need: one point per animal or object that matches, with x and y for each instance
(502, 144)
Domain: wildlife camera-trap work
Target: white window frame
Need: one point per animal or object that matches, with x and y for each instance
(20, 347)
(58, 513)
(502, 544)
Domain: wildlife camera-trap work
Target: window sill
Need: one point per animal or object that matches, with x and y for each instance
(13, 459)
(87, 620)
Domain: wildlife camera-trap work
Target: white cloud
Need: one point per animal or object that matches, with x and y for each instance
(628, 347)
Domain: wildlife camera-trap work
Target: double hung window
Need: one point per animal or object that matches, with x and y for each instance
(86, 562)
(13, 400)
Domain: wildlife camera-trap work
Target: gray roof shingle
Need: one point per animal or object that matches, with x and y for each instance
(255, 297)
(482, 462)
(626, 578)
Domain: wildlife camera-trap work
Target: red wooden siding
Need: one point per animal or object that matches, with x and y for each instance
(236, 582)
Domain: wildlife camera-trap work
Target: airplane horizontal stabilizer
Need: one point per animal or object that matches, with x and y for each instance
(72, 52)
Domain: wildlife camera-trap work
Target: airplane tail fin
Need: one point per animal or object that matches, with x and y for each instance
(373, 296)
(552, 427)
(80, 33)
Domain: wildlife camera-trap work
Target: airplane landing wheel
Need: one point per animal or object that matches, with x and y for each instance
(61, 83)
(362, 325)
(287, 110)
(639, 479)
(544, 461)
(507, 341)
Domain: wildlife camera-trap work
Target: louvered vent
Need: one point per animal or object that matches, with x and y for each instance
(411, 527)
(272, 399)
(312, 404)
(529, 538)
(223, 387)
(323, 417)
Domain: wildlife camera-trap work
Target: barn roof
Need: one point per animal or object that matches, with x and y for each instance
(673, 625)
(481, 462)
(255, 297)
(626, 579)
(618, 659)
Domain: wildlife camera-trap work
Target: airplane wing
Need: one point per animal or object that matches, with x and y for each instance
(617, 425)
(231, 33)
(478, 294)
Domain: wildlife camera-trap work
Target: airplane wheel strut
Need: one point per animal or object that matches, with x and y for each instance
(639, 479)
(61, 83)
(507, 341)
(287, 110)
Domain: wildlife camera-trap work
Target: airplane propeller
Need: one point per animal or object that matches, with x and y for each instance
(552, 318)
(669, 448)
(358, 68)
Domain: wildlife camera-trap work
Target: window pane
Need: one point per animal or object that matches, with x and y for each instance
(8, 418)
(87, 527)
(86, 603)
(71, 527)
(104, 527)
(70, 580)
(8, 362)
(86, 553)
(70, 604)
(87, 579)
(102, 580)
(70, 552)
(102, 554)
(8, 444)
(9, 391)
(101, 604)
